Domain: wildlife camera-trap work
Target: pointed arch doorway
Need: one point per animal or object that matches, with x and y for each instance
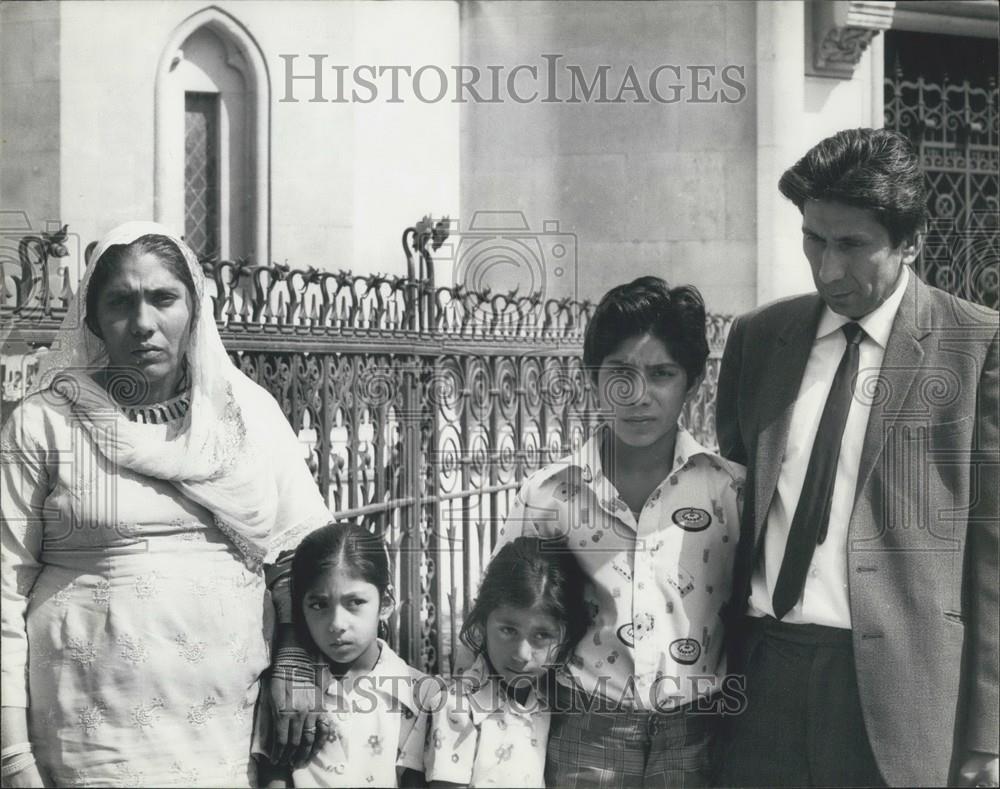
(212, 138)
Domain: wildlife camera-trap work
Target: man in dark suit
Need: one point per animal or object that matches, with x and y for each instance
(864, 614)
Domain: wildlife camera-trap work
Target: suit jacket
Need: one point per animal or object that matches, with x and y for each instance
(922, 539)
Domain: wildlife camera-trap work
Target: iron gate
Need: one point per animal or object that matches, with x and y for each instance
(420, 408)
(954, 127)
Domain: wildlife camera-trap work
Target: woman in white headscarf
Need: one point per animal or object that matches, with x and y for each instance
(146, 486)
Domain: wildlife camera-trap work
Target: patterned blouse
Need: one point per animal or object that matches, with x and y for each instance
(480, 736)
(380, 724)
(658, 579)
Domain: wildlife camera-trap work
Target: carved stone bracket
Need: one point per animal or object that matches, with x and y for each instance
(839, 32)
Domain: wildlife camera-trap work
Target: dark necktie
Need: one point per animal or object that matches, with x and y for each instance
(812, 513)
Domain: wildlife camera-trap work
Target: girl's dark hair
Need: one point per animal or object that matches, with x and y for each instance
(648, 305)
(526, 573)
(154, 244)
(873, 169)
(347, 545)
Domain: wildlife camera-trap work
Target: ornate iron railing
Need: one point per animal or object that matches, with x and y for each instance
(956, 130)
(420, 408)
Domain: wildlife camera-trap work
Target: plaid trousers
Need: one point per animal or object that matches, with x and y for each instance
(627, 748)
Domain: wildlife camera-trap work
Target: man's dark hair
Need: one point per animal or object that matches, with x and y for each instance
(648, 305)
(874, 169)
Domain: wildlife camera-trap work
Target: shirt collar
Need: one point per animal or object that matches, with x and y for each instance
(391, 676)
(477, 674)
(588, 457)
(687, 447)
(486, 696)
(877, 323)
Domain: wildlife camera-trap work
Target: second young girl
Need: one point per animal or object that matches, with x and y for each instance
(341, 596)
(493, 727)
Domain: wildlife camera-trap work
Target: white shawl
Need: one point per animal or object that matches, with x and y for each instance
(234, 453)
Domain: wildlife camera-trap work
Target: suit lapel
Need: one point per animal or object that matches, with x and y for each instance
(779, 391)
(900, 364)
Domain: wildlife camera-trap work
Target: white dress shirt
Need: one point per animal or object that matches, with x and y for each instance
(825, 598)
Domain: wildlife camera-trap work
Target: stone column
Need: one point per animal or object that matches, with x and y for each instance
(781, 267)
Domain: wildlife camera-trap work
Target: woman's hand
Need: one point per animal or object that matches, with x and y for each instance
(14, 725)
(300, 725)
(28, 777)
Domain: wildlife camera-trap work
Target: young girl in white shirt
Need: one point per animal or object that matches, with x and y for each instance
(492, 728)
(341, 595)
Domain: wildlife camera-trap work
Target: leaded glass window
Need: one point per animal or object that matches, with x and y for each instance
(201, 173)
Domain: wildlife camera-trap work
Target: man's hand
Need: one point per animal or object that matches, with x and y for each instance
(980, 769)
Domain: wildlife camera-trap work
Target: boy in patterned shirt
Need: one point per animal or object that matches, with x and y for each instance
(653, 518)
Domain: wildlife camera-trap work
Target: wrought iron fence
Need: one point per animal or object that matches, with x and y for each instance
(420, 408)
(956, 130)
